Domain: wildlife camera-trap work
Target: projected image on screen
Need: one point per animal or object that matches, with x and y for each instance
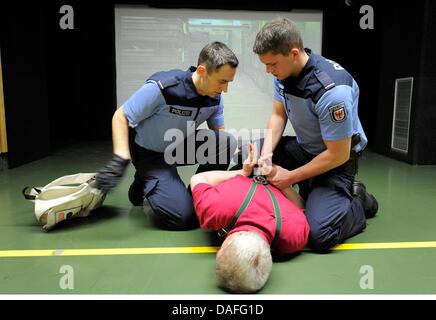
(151, 40)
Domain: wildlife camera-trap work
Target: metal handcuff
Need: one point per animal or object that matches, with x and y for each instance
(260, 179)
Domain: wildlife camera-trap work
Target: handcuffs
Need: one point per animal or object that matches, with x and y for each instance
(260, 179)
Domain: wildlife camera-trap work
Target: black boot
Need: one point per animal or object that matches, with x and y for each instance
(136, 192)
(369, 202)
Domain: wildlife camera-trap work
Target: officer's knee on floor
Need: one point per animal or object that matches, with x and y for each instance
(321, 240)
(182, 220)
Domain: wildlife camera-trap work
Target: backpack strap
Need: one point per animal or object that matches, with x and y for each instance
(30, 193)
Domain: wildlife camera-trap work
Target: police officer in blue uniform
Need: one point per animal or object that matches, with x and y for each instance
(163, 117)
(320, 99)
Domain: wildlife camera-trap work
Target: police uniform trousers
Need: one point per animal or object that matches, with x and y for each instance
(171, 202)
(332, 211)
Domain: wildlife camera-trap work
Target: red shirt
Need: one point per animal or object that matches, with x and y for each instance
(216, 207)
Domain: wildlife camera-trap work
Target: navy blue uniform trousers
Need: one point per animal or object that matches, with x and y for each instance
(333, 213)
(165, 191)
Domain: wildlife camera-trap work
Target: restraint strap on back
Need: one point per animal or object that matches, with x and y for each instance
(244, 205)
(277, 215)
(247, 201)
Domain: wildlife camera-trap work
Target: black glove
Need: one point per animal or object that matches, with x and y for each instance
(108, 177)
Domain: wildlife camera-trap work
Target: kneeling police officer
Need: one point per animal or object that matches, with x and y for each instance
(172, 100)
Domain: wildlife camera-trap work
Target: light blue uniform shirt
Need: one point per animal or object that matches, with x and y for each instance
(168, 100)
(322, 104)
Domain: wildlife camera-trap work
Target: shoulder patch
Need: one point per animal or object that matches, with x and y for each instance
(338, 112)
(324, 79)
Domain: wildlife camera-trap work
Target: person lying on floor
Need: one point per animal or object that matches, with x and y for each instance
(254, 217)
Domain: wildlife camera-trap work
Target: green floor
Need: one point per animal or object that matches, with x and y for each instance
(407, 201)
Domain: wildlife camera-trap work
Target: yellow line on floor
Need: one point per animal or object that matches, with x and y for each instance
(386, 245)
(181, 250)
(104, 252)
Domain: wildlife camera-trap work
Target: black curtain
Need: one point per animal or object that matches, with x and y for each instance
(408, 48)
(24, 82)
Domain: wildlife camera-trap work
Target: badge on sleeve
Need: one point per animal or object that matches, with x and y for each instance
(338, 113)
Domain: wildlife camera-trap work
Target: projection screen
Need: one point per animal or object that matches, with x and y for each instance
(150, 40)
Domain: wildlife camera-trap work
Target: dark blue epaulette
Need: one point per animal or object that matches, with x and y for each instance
(324, 79)
(166, 82)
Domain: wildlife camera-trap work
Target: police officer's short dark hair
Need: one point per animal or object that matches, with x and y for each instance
(278, 36)
(215, 55)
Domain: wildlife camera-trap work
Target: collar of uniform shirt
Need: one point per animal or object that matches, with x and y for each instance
(191, 91)
(301, 81)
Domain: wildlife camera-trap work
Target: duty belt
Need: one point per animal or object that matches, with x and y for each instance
(351, 166)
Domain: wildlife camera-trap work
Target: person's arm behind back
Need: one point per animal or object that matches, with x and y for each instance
(293, 196)
(213, 178)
